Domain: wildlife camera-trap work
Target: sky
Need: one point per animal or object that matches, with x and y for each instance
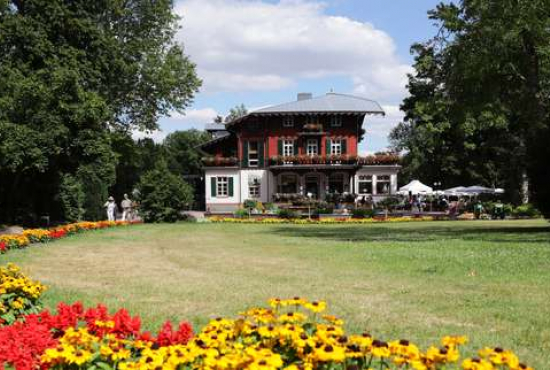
(263, 52)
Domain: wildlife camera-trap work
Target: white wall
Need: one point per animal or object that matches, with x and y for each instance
(231, 172)
(263, 175)
(381, 171)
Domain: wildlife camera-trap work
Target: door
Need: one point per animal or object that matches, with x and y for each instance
(312, 186)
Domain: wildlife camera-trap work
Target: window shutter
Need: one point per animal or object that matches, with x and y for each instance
(245, 154)
(295, 147)
(280, 147)
(230, 186)
(328, 146)
(260, 153)
(344, 146)
(213, 187)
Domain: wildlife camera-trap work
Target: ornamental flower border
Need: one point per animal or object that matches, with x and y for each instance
(36, 236)
(290, 334)
(325, 220)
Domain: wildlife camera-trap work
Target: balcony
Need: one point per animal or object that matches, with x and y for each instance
(334, 160)
(220, 161)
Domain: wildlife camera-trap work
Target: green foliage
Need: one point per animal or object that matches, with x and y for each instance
(181, 151)
(71, 74)
(71, 196)
(479, 97)
(526, 211)
(250, 203)
(241, 213)
(286, 213)
(236, 112)
(388, 203)
(363, 213)
(163, 195)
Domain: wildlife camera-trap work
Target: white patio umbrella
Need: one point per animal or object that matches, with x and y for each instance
(479, 190)
(415, 187)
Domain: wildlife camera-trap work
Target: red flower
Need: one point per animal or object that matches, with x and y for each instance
(168, 337)
(3, 247)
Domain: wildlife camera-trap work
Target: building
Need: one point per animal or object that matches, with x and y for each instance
(308, 147)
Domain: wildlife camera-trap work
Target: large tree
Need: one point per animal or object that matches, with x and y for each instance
(479, 96)
(71, 74)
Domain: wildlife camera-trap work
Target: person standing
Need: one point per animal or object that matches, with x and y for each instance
(126, 208)
(110, 205)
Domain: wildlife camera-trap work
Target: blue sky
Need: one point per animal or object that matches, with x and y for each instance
(263, 52)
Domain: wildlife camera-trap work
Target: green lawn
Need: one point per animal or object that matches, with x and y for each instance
(489, 280)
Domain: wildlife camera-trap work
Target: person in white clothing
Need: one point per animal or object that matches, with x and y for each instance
(126, 208)
(110, 205)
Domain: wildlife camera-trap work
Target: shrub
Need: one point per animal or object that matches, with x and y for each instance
(250, 203)
(19, 295)
(163, 195)
(241, 213)
(389, 203)
(71, 197)
(526, 210)
(286, 213)
(324, 211)
(363, 213)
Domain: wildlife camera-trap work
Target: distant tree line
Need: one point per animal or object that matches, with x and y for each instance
(478, 110)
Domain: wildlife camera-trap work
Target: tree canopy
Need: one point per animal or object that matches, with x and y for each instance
(73, 76)
(478, 106)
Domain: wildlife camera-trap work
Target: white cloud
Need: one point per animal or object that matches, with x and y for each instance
(378, 128)
(193, 118)
(244, 45)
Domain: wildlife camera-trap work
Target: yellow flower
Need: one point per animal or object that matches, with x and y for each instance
(316, 306)
(329, 353)
(476, 364)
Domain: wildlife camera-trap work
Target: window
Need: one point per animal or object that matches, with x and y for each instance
(336, 147)
(222, 186)
(383, 184)
(365, 184)
(288, 148)
(336, 121)
(312, 147)
(312, 119)
(288, 121)
(253, 154)
(288, 184)
(254, 186)
(336, 183)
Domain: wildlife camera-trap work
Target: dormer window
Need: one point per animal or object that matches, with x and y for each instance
(288, 121)
(336, 121)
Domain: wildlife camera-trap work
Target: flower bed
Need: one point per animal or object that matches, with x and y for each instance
(324, 220)
(289, 334)
(30, 236)
(19, 295)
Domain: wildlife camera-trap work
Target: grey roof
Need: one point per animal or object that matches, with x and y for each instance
(215, 127)
(329, 103)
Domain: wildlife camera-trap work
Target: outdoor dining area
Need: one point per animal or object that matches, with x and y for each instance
(418, 198)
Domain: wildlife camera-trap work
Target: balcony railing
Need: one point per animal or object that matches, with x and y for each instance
(379, 159)
(220, 161)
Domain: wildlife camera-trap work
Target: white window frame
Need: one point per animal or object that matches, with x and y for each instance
(336, 121)
(365, 179)
(336, 147)
(288, 147)
(253, 155)
(222, 186)
(312, 147)
(288, 121)
(386, 182)
(254, 186)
